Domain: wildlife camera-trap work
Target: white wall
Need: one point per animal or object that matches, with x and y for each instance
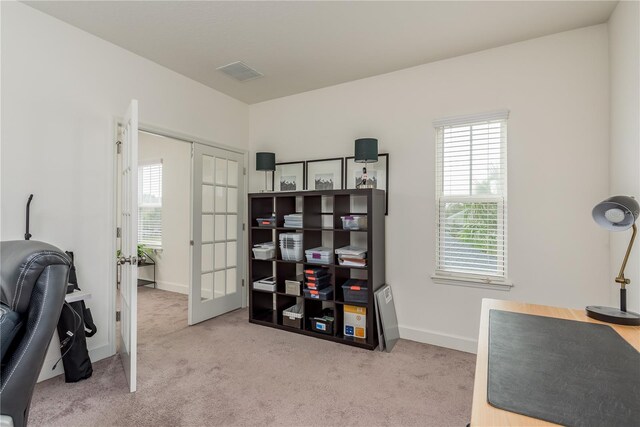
(557, 89)
(172, 262)
(61, 90)
(624, 57)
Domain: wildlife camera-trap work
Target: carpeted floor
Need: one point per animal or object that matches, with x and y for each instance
(227, 371)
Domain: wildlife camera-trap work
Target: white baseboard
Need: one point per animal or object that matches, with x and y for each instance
(46, 372)
(171, 287)
(436, 338)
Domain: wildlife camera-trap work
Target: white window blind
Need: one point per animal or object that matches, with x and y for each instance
(471, 193)
(150, 204)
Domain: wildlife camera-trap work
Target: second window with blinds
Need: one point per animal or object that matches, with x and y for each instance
(150, 204)
(471, 200)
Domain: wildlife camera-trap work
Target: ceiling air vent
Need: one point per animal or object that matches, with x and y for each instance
(240, 71)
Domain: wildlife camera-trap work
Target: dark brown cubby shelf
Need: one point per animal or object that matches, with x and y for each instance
(322, 226)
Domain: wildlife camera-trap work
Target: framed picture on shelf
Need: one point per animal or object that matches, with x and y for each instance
(289, 177)
(378, 173)
(325, 174)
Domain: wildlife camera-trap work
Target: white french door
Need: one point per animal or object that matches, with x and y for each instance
(217, 251)
(128, 294)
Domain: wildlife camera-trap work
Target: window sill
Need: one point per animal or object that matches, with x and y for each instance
(472, 283)
(154, 249)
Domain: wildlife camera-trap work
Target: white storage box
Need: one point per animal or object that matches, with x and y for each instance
(354, 222)
(264, 251)
(267, 284)
(320, 255)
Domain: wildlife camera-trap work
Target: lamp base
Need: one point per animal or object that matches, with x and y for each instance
(363, 186)
(613, 315)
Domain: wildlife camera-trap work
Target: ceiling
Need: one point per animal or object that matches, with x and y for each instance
(301, 46)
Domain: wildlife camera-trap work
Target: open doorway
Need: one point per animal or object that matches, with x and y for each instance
(164, 211)
(182, 201)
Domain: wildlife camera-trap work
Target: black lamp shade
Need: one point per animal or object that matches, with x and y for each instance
(265, 161)
(617, 213)
(366, 150)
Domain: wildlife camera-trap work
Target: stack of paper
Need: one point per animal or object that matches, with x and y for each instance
(352, 256)
(293, 221)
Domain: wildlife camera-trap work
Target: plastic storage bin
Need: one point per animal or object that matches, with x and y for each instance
(292, 316)
(354, 222)
(264, 251)
(355, 290)
(320, 255)
(266, 222)
(267, 284)
(319, 294)
(291, 246)
(323, 324)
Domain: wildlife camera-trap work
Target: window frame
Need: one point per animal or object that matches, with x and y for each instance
(461, 278)
(141, 165)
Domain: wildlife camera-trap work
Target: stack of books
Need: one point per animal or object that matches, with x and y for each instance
(293, 220)
(352, 256)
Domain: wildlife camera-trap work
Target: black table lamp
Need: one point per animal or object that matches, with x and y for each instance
(617, 213)
(366, 152)
(266, 162)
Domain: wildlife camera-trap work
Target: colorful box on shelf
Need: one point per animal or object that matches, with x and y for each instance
(355, 321)
(354, 222)
(267, 284)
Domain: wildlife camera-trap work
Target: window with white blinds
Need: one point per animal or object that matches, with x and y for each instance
(150, 204)
(471, 195)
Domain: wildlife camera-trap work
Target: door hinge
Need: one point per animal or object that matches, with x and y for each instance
(191, 242)
(118, 232)
(244, 171)
(119, 146)
(243, 226)
(117, 316)
(243, 283)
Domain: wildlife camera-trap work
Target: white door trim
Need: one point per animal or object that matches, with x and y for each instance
(145, 127)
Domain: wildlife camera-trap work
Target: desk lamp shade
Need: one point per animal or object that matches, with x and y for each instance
(265, 162)
(366, 151)
(617, 213)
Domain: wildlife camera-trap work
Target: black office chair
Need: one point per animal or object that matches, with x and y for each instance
(33, 284)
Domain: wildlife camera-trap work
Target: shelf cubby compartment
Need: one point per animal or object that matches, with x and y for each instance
(286, 205)
(262, 304)
(261, 207)
(286, 271)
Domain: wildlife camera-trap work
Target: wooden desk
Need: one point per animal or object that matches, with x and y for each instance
(482, 413)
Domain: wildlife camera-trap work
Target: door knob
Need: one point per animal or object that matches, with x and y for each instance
(128, 260)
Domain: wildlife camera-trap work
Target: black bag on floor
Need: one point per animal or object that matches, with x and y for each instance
(75, 324)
